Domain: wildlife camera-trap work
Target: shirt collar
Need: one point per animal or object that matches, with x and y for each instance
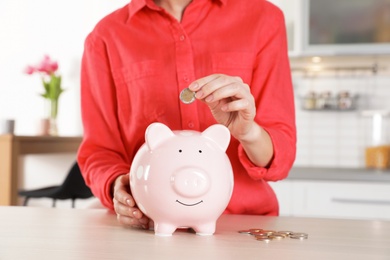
(137, 5)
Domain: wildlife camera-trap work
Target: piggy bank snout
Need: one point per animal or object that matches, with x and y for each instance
(190, 182)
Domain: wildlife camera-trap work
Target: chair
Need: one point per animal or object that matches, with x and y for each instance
(73, 188)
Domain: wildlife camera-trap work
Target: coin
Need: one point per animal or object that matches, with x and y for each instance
(297, 234)
(244, 231)
(268, 235)
(276, 236)
(261, 236)
(255, 230)
(265, 239)
(300, 236)
(287, 233)
(187, 96)
(268, 232)
(261, 233)
(280, 234)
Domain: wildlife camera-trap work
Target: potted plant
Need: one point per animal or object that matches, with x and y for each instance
(51, 82)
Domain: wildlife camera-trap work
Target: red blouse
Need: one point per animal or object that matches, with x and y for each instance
(138, 59)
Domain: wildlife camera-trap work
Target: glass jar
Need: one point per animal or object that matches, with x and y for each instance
(310, 101)
(344, 100)
(377, 153)
(324, 100)
(48, 124)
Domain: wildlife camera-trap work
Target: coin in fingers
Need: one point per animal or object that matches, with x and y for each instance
(187, 96)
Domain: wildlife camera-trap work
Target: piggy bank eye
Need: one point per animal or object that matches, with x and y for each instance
(180, 150)
(200, 151)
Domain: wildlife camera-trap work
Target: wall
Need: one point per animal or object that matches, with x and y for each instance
(339, 138)
(29, 30)
(335, 139)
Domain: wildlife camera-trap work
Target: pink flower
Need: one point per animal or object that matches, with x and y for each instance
(51, 80)
(47, 65)
(29, 70)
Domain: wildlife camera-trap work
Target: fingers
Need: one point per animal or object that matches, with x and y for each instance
(200, 83)
(217, 87)
(125, 207)
(134, 221)
(130, 216)
(230, 101)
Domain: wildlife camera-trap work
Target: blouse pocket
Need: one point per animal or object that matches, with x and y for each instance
(234, 64)
(140, 97)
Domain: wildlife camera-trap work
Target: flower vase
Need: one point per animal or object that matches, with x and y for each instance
(51, 82)
(50, 127)
(53, 130)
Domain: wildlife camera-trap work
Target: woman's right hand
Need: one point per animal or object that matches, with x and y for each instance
(125, 207)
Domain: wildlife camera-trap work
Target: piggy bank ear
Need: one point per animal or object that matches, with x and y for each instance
(219, 134)
(156, 133)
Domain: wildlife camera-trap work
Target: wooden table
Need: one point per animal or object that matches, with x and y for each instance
(11, 147)
(46, 233)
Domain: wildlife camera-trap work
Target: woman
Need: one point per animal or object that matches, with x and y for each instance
(231, 53)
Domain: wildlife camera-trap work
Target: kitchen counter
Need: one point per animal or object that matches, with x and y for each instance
(46, 233)
(339, 174)
(334, 193)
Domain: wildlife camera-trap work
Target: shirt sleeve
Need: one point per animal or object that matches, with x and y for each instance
(101, 156)
(273, 92)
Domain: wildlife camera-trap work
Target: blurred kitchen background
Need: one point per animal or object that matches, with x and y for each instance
(340, 63)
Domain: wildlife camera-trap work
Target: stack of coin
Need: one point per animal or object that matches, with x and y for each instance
(268, 235)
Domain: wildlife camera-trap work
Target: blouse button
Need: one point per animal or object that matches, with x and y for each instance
(191, 125)
(182, 37)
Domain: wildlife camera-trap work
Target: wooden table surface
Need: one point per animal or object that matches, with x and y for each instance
(12, 147)
(47, 233)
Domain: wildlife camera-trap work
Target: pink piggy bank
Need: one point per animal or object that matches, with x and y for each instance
(182, 178)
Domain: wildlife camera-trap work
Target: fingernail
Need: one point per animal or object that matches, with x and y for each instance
(128, 202)
(194, 86)
(209, 98)
(199, 94)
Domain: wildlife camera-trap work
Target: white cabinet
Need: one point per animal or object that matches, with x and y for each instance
(329, 37)
(333, 199)
(284, 192)
(292, 10)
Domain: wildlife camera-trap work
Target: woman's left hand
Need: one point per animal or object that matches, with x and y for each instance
(230, 102)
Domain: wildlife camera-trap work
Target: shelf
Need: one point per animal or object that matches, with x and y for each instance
(329, 109)
(340, 65)
(318, 68)
(330, 104)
